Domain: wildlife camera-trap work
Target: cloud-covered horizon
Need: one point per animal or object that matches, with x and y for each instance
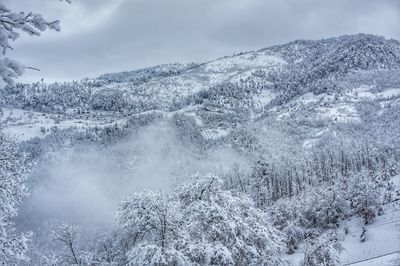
(102, 36)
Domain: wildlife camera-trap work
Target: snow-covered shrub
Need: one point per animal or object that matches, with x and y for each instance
(323, 251)
(365, 197)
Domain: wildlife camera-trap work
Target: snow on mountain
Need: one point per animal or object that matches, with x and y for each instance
(299, 113)
(324, 79)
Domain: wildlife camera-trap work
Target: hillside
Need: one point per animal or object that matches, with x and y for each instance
(304, 135)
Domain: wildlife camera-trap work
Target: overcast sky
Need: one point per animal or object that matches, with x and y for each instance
(101, 36)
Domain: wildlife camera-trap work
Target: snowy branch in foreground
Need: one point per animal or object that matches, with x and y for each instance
(11, 23)
(13, 246)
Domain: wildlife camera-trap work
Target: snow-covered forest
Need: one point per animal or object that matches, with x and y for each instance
(287, 155)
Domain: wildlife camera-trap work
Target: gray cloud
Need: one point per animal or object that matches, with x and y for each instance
(114, 35)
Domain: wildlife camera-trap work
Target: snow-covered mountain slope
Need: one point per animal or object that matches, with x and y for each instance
(165, 89)
(303, 116)
(303, 80)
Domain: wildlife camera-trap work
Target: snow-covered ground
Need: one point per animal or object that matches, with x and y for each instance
(382, 242)
(25, 125)
(382, 237)
(244, 61)
(384, 260)
(214, 133)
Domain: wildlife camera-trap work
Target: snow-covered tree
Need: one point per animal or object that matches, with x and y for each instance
(152, 230)
(12, 191)
(290, 220)
(328, 208)
(201, 223)
(365, 197)
(323, 251)
(11, 23)
(67, 237)
(226, 229)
